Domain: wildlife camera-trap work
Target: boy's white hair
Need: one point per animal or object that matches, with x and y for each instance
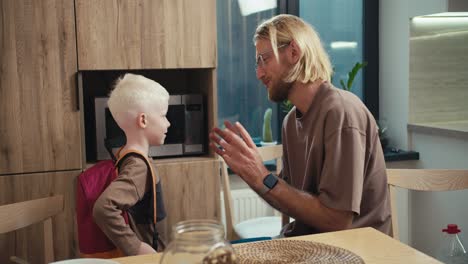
(134, 94)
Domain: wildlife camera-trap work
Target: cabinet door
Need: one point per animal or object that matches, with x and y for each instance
(27, 243)
(191, 190)
(146, 34)
(39, 123)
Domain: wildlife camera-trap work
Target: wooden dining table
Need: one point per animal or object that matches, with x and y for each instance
(371, 245)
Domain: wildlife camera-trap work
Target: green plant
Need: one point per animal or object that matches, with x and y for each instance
(267, 136)
(382, 126)
(286, 106)
(351, 75)
(382, 129)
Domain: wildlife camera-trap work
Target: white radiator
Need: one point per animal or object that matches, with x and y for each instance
(247, 205)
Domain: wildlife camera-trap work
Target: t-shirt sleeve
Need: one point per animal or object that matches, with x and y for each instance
(341, 182)
(124, 192)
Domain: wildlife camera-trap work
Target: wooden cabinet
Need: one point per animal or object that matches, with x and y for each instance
(43, 45)
(146, 34)
(39, 123)
(39, 120)
(191, 191)
(27, 242)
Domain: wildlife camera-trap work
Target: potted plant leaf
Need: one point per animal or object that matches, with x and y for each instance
(351, 75)
(382, 126)
(267, 135)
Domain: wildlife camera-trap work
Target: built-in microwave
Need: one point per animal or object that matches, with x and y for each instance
(186, 135)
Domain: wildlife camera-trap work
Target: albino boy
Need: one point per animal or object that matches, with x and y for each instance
(139, 106)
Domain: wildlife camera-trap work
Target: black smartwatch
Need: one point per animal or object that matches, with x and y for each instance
(269, 183)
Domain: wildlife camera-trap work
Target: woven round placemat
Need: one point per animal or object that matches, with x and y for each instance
(293, 252)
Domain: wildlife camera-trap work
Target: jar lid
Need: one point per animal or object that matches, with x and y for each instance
(451, 229)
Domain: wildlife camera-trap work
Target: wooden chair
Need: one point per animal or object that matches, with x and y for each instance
(19, 215)
(423, 180)
(246, 229)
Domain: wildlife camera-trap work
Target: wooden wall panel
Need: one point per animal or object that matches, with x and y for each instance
(146, 34)
(39, 123)
(26, 243)
(438, 79)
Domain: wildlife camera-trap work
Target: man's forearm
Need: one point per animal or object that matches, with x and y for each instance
(307, 208)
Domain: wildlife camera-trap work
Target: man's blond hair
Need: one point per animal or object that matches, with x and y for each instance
(313, 63)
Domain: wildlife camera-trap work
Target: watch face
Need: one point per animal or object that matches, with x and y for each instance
(270, 181)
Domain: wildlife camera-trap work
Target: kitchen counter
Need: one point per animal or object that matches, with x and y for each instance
(393, 154)
(458, 129)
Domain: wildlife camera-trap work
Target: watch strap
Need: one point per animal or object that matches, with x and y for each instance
(264, 190)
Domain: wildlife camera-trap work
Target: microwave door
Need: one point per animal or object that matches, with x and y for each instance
(194, 133)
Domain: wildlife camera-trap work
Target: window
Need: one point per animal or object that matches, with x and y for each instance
(241, 97)
(348, 29)
(340, 26)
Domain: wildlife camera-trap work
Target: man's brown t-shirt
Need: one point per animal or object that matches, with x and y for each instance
(333, 152)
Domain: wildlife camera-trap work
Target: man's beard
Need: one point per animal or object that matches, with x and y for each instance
(279, 91)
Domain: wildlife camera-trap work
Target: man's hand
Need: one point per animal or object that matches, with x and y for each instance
(237, 148)
(145, 249)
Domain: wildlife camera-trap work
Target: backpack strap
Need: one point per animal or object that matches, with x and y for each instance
(128, 153)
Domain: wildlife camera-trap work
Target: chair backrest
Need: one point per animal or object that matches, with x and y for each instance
(423, 180)
(267, 153)
(19, 215)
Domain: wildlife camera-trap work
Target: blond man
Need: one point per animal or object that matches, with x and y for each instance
(333, 175)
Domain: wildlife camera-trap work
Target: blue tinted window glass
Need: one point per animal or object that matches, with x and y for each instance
(241, 97)
(340, 25)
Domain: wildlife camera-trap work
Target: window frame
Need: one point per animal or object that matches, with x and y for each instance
(370, 52)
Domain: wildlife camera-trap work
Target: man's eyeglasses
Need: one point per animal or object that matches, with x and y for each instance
(260, 63)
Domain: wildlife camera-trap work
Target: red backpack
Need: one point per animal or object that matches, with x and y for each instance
(91, 183)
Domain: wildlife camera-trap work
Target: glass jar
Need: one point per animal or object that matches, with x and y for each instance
(198, 241)
(452, 251)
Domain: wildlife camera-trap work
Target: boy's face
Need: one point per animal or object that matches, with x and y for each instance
(157, 125)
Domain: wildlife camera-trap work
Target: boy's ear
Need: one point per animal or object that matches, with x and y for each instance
(142, 121)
